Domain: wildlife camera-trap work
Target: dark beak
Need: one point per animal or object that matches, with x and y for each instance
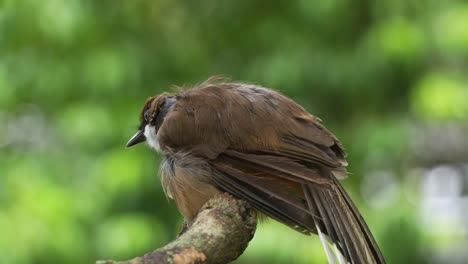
(137, 138)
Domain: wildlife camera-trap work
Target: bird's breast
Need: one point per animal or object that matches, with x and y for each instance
(186, 180)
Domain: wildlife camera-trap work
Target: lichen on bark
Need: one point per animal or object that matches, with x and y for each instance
(219, 234)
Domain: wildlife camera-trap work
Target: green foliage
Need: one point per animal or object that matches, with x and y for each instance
(73, 75)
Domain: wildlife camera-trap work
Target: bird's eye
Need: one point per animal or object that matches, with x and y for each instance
(146, 116)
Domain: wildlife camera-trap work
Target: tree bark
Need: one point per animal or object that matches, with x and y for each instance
(219, 234)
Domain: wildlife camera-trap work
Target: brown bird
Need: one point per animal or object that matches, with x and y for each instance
(260, 146)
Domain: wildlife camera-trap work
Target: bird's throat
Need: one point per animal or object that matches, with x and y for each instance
(152, 137)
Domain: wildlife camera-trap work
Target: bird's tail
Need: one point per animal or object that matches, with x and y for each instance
(335, 215)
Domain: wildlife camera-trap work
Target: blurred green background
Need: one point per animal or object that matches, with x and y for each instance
(389, 78)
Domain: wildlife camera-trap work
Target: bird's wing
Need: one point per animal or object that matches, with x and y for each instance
(305, 198)
(210, 119)
(268, 150)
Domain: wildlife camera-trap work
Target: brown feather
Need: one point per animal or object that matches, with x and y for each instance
(281, 181)
(185, 179)
(263, 147)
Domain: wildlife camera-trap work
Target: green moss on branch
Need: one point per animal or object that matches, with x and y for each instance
(219, 234)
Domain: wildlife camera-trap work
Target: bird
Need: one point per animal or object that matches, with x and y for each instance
(262, 147)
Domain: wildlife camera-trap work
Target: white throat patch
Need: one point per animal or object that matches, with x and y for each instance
(152, 138)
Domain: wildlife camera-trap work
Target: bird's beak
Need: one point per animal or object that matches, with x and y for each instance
(137, 138)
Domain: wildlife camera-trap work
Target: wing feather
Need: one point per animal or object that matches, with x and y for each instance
(304, 198)
(266, 202)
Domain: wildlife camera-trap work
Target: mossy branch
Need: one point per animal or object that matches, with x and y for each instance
(219, 234)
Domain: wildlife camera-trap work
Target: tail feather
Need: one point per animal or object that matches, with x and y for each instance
(330, 219)
(341, 258)
(315, 212)
(373, 246)
(344, 224)
(326, 246)
(343, 236)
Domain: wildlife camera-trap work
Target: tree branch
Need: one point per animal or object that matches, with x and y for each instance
(219, 234)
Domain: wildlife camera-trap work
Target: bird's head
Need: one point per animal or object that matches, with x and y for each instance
(152, 115)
